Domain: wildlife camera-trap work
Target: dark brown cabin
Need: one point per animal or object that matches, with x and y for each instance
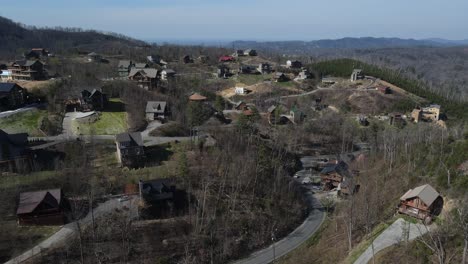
(45, 207)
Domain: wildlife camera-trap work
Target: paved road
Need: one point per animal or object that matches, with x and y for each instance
(298, 95)
(68, 231)
(30, 107)
(394, 234)
(294, 239)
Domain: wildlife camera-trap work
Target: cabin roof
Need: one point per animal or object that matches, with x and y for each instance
(30, 200)
(425, 192)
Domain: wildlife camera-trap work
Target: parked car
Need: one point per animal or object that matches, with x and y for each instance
(306, 181)
(123, 198)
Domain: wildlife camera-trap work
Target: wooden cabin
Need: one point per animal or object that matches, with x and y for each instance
(46, 207)
(422, 202)
(333, 174)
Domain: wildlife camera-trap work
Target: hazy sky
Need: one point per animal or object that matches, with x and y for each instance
(250, 19)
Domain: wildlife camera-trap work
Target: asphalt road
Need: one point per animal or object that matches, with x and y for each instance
(20, 110)
(300, 235)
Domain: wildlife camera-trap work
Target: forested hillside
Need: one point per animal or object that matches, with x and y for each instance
(15, 37)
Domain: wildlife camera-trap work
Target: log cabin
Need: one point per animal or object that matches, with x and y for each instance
(422, 202)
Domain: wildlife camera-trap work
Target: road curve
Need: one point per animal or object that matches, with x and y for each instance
(296, 238)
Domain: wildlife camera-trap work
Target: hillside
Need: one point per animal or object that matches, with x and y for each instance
(439, 64)
(16, 37)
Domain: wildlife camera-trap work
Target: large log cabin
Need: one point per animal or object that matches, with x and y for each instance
(422, 202)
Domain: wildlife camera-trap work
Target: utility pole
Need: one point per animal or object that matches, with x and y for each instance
(273, 238)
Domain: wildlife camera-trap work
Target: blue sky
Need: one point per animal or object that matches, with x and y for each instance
(250, 20)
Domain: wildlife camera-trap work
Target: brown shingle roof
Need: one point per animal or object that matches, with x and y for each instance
(197, 97)
(30, 200)
(425, 192)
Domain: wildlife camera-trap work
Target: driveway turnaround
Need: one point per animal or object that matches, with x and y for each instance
(294, 239)
(398, 232)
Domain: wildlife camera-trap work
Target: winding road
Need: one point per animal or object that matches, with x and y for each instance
(296, 238)
(300, 235)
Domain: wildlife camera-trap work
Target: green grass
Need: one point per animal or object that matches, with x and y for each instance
(13, 180)
(250, 79)
(112, 121)
(286, 84)
(25, 122)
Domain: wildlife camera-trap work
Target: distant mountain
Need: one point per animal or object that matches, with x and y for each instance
(344, 43)
(449, 42)
(15, 38)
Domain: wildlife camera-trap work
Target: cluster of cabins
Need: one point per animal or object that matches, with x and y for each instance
(422, 202)
(224, 71)
(142, 74)
(31, 68)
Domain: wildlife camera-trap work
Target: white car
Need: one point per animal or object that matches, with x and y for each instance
(306, 181)
(297, 175)
(123, 198)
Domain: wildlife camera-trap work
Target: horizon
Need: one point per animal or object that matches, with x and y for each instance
(210, 20)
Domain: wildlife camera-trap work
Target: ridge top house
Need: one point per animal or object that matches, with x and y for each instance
(36, 53)
(94, 100)
(27, 70)
(250, 52)
(240, 89)
(223, 71)
(248, 69)
(280, 77)
(130, 149)
(12, 96)
(46, 207)
(145, 78)
(156, 59)
(337, 175)
(293, 64)
(156, 110)
(422, 202)
(167, 73)
(226, 59)
(357, 75)
(264, 68)
(124, 67)
(94, 57)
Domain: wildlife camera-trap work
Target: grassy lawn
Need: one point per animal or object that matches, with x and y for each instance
(286, 84)
(25, 122)
(112, 121)
(23, 238)
(14, 180)
(250, 79)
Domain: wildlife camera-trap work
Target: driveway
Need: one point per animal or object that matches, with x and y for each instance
(68, 231)
(296, 238)
(398, 232)
(20, 110)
